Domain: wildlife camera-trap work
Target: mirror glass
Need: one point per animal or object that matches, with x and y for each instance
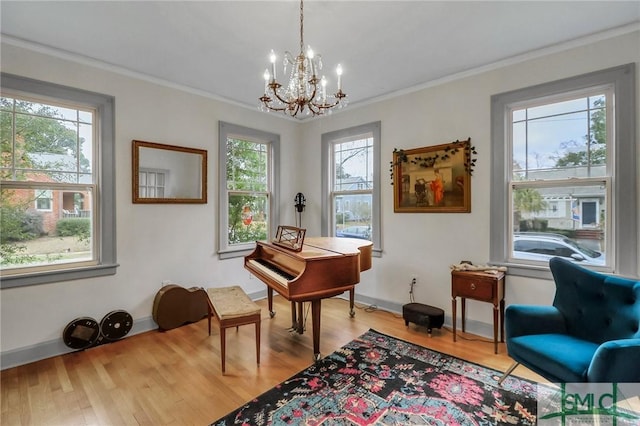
(168, 173)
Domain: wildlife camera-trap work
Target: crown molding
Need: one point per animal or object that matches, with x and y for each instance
(116, 69)
(534, 54)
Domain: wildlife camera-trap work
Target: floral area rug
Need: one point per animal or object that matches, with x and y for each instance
(380, 380)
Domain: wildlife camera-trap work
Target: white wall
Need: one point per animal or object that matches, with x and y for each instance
(155, 242)
(178, 242)
(426, 244)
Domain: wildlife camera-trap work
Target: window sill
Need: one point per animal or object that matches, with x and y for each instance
(230, 254)
(539, 271)
(12, 281)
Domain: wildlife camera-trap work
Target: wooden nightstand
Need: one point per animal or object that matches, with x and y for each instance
(482, 286)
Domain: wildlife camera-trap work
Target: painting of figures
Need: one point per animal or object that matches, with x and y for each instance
(433, 179)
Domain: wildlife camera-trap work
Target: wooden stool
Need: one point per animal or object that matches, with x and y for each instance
(233, 308)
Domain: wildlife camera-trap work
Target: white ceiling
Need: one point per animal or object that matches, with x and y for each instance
(221, 48)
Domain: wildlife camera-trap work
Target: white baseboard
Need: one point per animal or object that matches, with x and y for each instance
(471, 326)
(39, 351)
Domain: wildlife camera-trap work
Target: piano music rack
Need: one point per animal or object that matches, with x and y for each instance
(290, 237)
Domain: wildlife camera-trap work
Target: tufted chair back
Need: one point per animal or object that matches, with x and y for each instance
(596, 307)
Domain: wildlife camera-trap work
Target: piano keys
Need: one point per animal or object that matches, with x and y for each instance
(325, 267)
(278, 275)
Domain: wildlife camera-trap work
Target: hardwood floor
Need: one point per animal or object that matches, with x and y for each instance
(174, 377)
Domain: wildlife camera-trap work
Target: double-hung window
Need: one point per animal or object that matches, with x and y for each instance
(44, 200)
(565, 157)
(57, 183)
(351, 183)
(248, 188)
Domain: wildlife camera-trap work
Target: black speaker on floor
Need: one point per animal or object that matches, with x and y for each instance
(81, 333)
(115, 325)
(86, 332)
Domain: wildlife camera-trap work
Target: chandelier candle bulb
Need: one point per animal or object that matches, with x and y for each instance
(313, 65)
(339, 72)
(323, 83)
(272, 58)
(266, 80)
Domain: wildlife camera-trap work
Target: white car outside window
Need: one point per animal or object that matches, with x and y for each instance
(542, 247)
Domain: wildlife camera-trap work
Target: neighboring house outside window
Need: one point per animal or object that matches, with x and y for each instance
(558, 149)
(56, 162)
(351, 183)
(248, 188)
(44, 200)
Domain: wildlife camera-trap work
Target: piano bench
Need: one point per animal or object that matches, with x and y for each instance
(233, 308)
(424, 315)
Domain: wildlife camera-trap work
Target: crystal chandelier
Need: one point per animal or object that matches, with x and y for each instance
(305, 93)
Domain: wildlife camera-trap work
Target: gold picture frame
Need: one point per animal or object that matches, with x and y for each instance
(433, 179)
(168, 174)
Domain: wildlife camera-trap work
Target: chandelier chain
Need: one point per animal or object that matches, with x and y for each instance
(301, 28)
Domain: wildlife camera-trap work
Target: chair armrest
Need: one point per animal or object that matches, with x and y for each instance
(616, 361)
(522, 320)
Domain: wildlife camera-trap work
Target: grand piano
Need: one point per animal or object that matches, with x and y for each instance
(324, 267)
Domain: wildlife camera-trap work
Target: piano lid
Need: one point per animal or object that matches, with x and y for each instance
(316, 249)
(320, 247)
(342, 246)
(337, 244)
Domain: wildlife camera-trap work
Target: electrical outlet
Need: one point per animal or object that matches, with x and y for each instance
(414, 280)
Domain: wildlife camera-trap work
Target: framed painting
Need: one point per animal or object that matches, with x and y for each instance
(434, 179)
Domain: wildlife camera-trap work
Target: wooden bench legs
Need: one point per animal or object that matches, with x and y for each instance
(236, 322)
(233, 308)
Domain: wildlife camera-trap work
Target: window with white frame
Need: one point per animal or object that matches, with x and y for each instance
(558, 148)
(248, 188)
(56, 163)
(43, 200)
(351, 183)
(152, 183)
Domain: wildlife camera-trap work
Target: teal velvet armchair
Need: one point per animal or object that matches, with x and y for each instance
(590, 334)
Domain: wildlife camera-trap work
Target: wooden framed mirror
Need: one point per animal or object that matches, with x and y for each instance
(168, 174)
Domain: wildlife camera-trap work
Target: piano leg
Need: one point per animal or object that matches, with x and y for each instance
(294, 318)
(270, 301)
(300, 317)
(352, 294)
(297, 317)
(315, 320)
